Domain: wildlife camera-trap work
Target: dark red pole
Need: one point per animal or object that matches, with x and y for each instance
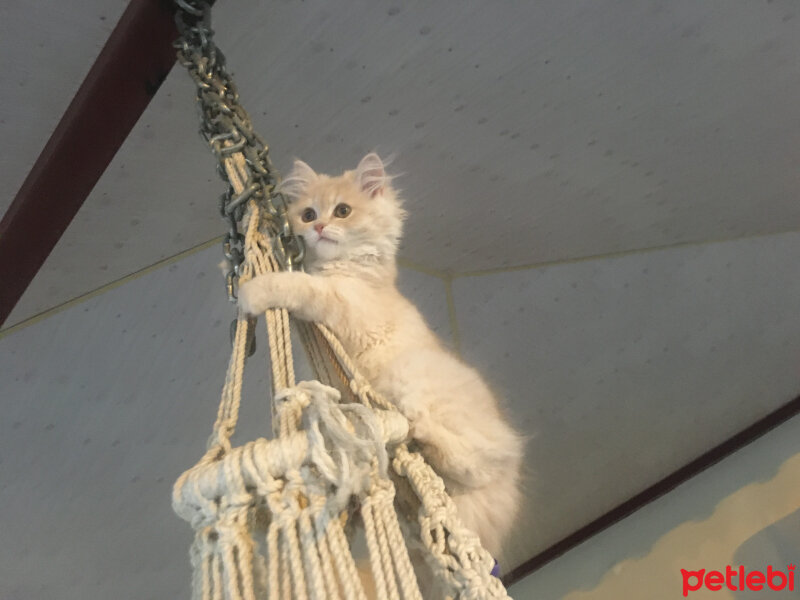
(134, 61)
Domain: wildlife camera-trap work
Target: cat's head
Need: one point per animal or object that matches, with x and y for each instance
(355, 216)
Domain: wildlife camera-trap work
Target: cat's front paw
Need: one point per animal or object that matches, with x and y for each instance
(419, 423)
(251, 297)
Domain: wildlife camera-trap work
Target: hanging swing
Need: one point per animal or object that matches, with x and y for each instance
(272, 517)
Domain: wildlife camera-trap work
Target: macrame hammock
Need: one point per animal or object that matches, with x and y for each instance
(271, 516)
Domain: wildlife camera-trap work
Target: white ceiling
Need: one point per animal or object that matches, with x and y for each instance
(527, 132)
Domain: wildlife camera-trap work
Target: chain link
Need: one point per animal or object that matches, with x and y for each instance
(227, 128)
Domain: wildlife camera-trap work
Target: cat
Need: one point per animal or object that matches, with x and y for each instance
(351, 225)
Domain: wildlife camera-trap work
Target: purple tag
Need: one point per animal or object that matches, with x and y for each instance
(496, 569)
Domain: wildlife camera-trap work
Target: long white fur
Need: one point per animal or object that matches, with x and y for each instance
(349, 285)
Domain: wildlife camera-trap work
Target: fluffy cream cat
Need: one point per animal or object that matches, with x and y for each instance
(351, 225)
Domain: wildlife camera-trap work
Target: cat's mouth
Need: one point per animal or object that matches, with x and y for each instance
(322, 238)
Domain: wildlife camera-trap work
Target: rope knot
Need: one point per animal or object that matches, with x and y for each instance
(359, 386)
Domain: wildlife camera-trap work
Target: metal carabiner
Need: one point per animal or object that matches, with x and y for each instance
(231, 281)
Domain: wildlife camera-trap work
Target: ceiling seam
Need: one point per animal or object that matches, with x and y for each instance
(451, 313)
(446, 278)
(613, 255)
(38, 318)
(407, 264)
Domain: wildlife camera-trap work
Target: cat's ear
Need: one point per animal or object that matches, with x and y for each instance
(371, 175)
(298, 179)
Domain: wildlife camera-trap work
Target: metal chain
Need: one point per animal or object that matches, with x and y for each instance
(227, 128)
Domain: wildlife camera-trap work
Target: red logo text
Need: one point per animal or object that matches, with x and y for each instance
(738, 579)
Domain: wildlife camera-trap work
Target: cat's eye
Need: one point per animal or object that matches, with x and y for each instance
(342, 210)
(308, 215)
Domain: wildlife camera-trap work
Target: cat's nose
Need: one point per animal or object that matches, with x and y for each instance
(318, 227)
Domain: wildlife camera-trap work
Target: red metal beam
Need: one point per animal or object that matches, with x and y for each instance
(130, 68)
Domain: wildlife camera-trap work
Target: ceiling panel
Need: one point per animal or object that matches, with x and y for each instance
(525, 132)
(623, 370)
(47, 47)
